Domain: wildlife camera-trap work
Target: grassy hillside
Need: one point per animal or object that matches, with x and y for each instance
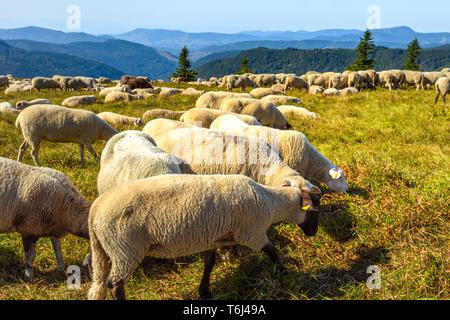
(263, 60)
(393, 148)
(27, 64)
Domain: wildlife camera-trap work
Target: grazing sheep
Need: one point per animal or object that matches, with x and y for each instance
(293, 81)
(214, 99)
(124, 88)
(103, 80)
(7, 108)
(204, 152)
(162, 113)
(122, 96)
(77, 83)
(262, 92)
(348, 91)
(315, 90)
(25, 104)
(60, 124)
(192, 92)
(204, 117)
(116, 119)
(432, 77)
(414, 78)
(136, 82)
(237, 81)
(294, 149)
(166, 92)
(263, 80)
(387, 80)
(131, 221)
(442, 86)
(40, 83)
(280, 100)
(265, 112)
(331, 92)
(37, 203)
(293, 111)
(4, 82)
(130, 156)
(338, 81)
(79, 101)
(279, 87)
(354, 79)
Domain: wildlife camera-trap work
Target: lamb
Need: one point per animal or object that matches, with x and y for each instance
(79, 101)
(332, 92)
(7, 108)
(265, 112)
(294, 149)
(349, 90)
(293, 81)
(214, 99)
(280, 100)
(116, 119)
(293, 111)
(124, 88)
(162, 113)
(262, 92)
(204, 152)
(136, 82)
(40, 83)
(25, 104)
(131, 221)
(204, 117)
(442, 86)
(60, 124)
(122, 96)
(40, 202)
(130, 156)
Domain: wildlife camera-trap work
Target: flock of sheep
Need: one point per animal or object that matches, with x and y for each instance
(221, 176)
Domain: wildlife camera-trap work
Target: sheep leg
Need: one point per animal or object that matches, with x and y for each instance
(210, 261)
(82, 153)
(22, 150)
(34, 153)
(92, 151)
(270, 250)
(56, 244)
(437, 97)
(443, 98)
(29, 247)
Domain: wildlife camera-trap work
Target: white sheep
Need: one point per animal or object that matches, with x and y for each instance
(25, 104)
(76, 101)
(162, 113)
(259, 93)
(192, 92)
(204, 117)
(442, 86)
(331, 92)
(214, 99)
(37, 203)
(294, 149)
(264, 111)
(280, 100)
(115, 119)
(173, 216)
(315, 89)
(293, 111)
(125, 88)
(116, 96)
(60, 124)
(40, 83)
(8, 108)
(348, 91)
(166, 92)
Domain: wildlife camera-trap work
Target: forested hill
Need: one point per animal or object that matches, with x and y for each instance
(263, 60)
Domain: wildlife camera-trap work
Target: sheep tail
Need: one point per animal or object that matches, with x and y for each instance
(101, 269)
(18, 123)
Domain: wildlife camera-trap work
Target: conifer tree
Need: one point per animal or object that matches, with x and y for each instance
(244, 67)
(412, 56)
(184, 65)
(364, 50)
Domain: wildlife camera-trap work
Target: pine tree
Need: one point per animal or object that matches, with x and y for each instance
(412, 56)
(244, 67)
(365, 48)
(184, 64)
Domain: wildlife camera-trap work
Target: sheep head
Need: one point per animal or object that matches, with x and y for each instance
(336, 181)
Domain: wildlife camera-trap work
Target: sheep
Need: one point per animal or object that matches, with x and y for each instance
(347, 91)
(442, 86)
(204, 151)
(295, 82)
(294, 149)
(79, 101)
(262, 92)
(40, 83)
(136, 82)
(399, 78)
(414, 78)
(60, 124)
(265, 112)
(20, 105)
(280, 100)
(315, 89)
(237, 81)
(7, 108)
(115, 119)
(282, 77)
(103, 80)
(146, 91)
(40, 202)
(387, 79)
(331, 92)
(77, 83)
(265, 79)
(279, 87)
(214, 99)
(432, 77)
(445, 70)
(166, 92)
(4, 82)
(192, 92)
(354, 78)
(338, 81)
(162, 113)
(122, 96)
(204, 117)
(124, 88)
(16, 88)
(130, 156)
(130, 222)
(293, 111)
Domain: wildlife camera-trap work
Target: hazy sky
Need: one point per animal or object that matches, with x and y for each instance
(226, 16)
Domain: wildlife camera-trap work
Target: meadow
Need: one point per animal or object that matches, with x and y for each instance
(394, 149)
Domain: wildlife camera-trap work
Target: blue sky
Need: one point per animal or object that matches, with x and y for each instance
(226, 16)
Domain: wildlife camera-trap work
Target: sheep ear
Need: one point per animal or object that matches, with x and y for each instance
(286, 183)
(316, 190)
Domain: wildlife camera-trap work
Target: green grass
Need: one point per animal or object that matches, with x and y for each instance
(394, 149)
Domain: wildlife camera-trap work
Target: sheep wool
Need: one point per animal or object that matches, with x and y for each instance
(116, 119)
(214, 99)
(203, 117)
